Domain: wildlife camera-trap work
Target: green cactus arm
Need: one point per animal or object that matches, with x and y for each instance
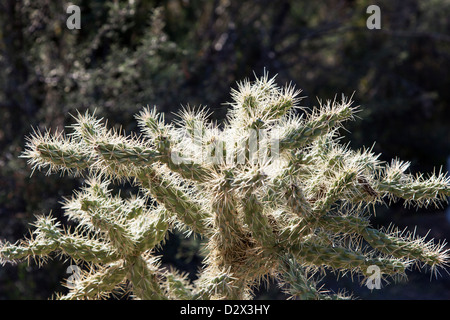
(294, 232)
(346, 224)
(152, 124)
(104, 220)
(150, 230)
(296, 201)
(216, 283)
(144, 278)
(258, 223)
(352, 173)
(74, 245)
(96, 190)
(390, 243)
(407, 246)
(175, 200)
(48, 238)
(125, 157)
(187, 168)
(232, 250)
(393, 243)
(234, 198)
(129, 209)
(119, 156)
(111, 215)
(225, 220)
(299, 226)
(87, 128)
(116, 156)
(134, 207)
(163, 137)
(418, 190)
(298, 284)
(339, 188)
(96, 284)
(324, 191)
(192, 123)
(281, 103)
(26, 249)
(296, 133)
(58, 153)
(178, 286)
(87, 249)
(261, 101)
(340, 258)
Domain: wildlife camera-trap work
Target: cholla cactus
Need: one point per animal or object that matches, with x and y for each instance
(272, 192)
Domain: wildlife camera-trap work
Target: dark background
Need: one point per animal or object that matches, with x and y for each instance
(129, 54)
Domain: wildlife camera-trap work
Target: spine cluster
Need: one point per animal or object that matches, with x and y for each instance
(272, 192)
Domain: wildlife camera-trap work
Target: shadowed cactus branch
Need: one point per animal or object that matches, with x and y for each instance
(272, 193)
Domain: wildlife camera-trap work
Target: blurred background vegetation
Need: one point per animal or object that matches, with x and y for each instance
(129, 54)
